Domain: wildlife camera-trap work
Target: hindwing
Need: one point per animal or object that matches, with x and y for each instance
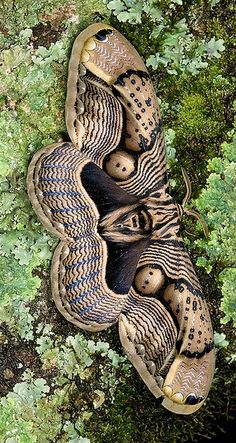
(90, 277)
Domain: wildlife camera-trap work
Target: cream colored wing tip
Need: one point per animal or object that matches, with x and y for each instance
(149, 380)
(180, 409)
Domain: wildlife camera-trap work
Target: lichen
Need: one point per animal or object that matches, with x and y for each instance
(217, 203)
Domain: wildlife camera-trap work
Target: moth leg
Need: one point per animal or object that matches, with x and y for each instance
(191, 212)
(188, 188)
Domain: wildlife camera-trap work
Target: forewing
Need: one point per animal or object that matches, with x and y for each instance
(148, 335)
(95, 121)
(104, 63)
(166, 295)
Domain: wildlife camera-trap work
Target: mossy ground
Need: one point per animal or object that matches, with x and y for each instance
(59, 384)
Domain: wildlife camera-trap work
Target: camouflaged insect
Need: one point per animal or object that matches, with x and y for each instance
(121, 258)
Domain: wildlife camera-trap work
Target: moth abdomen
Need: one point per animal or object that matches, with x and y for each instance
(126, 224)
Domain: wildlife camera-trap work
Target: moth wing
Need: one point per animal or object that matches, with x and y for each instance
(148, 335)
(61, 184)
(95, 121)
(57, 193)
(168, 322)
(189, 378)
(104, 64)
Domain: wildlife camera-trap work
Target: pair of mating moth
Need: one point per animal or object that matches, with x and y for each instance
(121, 257)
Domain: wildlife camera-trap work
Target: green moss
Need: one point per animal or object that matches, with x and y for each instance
(136, 415)
(34, 411)
(228, 304)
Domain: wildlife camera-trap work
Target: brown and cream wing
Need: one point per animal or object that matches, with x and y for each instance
(166, 303)
(90, 277)
(104, 63)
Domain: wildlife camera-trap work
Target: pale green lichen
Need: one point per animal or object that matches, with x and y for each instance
(217, 203)
(179, 49)
(31, 412)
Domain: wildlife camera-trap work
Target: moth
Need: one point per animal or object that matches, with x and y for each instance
(121, 257)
